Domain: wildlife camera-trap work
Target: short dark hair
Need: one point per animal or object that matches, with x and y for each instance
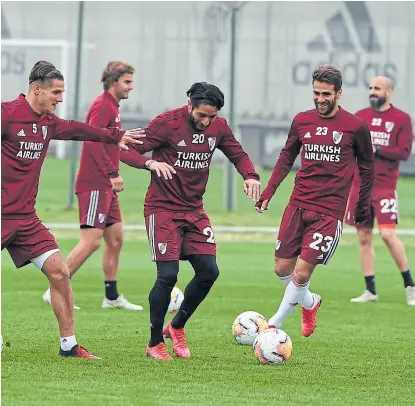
(44, 71)
(328, 74)
(113, 71)
(205, 93)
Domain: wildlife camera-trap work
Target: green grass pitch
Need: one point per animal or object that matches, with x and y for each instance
(359, 354)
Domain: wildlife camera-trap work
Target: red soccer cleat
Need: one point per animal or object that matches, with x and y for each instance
(78, 352)
(159, 351)
(309, 317)
(178, 337)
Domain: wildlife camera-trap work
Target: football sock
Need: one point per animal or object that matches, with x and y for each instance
(195, 292)
(67, 343)
(370, 284)
(407, 279)
(294, 294)
(286, 279)
(159, 299)
(111, 292)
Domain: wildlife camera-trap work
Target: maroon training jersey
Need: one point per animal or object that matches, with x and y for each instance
(174, 141)
(330, 147)
(25, 137)
(99, 162)
(392, 135)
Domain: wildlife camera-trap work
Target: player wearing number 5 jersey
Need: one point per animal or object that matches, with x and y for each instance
(183, 141)
(392, 137)
(331, 140)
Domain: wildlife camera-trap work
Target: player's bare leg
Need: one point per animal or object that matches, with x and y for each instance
(367, 260)
(89, 242)
(62, 303)
(113, 236)
(284, 269)
(397, 250)
(297, 291)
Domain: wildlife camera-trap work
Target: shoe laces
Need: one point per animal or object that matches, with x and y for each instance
(181, 337)
(162, 350)
(309, 315)
(83, 352)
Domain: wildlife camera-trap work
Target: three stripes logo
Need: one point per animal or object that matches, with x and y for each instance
(339, 31)
(349, 40)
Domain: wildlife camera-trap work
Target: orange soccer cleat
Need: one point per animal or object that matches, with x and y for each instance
(309, 317)
(178, 337)
(159, 351)
(78, 352)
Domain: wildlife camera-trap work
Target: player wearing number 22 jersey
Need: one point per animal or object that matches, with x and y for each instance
(331, 141)
(392, 137)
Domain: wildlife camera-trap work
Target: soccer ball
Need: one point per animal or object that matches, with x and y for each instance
(246, 327)
(273, 346)
(176, 300)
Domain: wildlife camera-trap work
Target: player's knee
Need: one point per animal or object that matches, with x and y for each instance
(167, 273)
(205, 267)
(365, 238)
(388, 235)
(58, 273)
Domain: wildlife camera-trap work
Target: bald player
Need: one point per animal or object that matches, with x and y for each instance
(392, 136)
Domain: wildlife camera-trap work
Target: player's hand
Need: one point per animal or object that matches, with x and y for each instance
(162, 169)
(131, 137)
(262, 205)
(117, 184)
(252, 188)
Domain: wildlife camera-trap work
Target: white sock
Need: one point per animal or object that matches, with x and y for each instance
(68, 342)
(286, 279)
(308, 299)
(294, 294)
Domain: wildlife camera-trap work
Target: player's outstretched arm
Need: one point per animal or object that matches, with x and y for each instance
(281, 169)
(233, 150)
(403, 151)
(365, 164)
(77, 131)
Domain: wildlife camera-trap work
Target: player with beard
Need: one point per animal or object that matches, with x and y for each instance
(97, 187)
(331, 140)
(183, 141)
(392, 138)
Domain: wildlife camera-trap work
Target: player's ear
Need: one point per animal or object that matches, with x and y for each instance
(339, 93)
(189, 106)
(36, 88)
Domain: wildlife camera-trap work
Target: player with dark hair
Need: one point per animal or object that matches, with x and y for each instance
(28, 124)
(183, 141)
(97, 185)
(392, 138)
(331, 140)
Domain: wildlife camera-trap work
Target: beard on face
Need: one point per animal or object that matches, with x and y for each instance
(194, 123)
(376, 101)
(330, 105)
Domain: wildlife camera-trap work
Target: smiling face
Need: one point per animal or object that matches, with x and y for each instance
(325, 98)
(48, 95)
(122, 87)
(202, 116)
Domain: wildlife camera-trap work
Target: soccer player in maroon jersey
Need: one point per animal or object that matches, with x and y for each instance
(392, 138)
(183, 141)
(97, 187)
(28, 124)
(331, 140)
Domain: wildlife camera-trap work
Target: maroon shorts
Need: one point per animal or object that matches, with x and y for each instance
(98, 208)
(175, 235)
(383, 207)
(312, 235)
(26, 239)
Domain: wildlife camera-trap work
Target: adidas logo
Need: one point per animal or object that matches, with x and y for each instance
(21, 133)
(308, 135)
(320, 256)
(342, 38)
(181, 144)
